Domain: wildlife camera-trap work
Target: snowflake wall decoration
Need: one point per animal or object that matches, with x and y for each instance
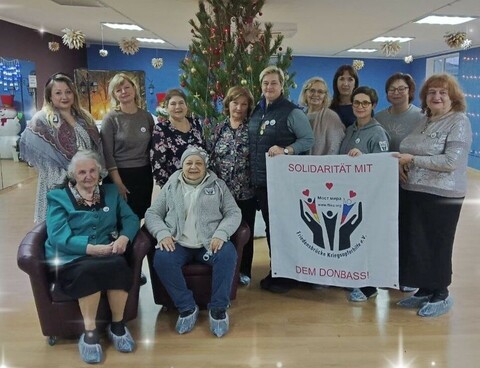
(73, 39)
(408, 59)
(466, 44)
(358, 64)
(157, 63)
(103, 52)
(53, 46)
(129, 46)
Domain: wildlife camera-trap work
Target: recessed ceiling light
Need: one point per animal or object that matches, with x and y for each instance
(130, 27)
(362, 50)
(152, 40)
(393, 39)
(444, 19)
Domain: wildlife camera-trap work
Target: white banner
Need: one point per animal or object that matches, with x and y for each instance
(334, 219)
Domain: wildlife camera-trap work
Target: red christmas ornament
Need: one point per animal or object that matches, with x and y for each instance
(183, 84)
(260, 13)
(280, 49)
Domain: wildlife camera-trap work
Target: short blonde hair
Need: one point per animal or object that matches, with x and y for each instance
(272, 69)
(302, 100)
(118, 80)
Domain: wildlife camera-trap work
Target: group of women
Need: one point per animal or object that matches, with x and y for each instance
(209, 185)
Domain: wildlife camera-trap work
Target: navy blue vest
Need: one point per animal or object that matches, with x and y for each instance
(266, 129)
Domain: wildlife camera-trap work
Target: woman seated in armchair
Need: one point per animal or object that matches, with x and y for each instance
(193, 218)
(89, 227)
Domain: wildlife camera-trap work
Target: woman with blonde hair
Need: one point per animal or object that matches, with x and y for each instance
(54, 135)
(328, 129)
(126, 135)
(276, 127)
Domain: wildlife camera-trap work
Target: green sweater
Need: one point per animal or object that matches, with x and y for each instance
(70, 227)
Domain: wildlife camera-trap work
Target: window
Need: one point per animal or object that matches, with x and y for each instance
(443, 64)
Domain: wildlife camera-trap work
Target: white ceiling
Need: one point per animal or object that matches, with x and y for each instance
(324, 27)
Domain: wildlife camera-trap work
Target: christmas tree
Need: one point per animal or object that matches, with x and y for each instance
(230, 47)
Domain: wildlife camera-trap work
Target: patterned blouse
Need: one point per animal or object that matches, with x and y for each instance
(230, 158)
(168, 145)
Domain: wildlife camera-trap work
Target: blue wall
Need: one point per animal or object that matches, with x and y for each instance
(374, 74)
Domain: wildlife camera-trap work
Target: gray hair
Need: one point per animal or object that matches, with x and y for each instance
(83, 155)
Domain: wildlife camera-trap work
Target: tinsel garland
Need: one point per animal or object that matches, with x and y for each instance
(129, 46)
(73, 39)
(391, 48)
(358, 64)
(455, 39)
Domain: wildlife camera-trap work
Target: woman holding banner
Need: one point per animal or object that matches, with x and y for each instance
(433, 173)
(366, 135)
(276, 127)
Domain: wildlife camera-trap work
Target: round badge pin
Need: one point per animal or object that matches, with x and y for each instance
(357, 140)
(106, 209)
(433, 135)
(143, 129)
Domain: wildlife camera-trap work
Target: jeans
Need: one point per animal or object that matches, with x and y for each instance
(168, 266)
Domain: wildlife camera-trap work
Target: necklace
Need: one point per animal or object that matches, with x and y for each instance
(81, 200)
(86, 199)
(434, 120)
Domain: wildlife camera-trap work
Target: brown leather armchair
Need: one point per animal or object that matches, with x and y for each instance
(59, 314)
(197, 275)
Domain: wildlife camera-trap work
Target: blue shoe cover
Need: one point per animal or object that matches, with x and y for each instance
(436, 309)
(186, 324)
(414, 301)
(358, 296)
(90, 353)
(124, 343)
(219, 327)
(244, 280)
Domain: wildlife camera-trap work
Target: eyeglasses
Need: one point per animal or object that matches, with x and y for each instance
(400, 89)
(364, 104)
(319, 91)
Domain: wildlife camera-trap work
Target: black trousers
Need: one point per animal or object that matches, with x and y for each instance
(249, 210)
(427, 225)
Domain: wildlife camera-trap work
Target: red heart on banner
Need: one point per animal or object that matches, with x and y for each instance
(306, 192)
(329, 185)
(352, 194)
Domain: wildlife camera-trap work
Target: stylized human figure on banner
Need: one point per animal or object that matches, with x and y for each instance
(347, 228)
(314, 226)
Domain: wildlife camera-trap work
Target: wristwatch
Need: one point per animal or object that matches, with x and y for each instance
(285, 150)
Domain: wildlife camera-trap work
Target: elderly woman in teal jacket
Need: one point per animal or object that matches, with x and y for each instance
(89, 227)
(193, 218)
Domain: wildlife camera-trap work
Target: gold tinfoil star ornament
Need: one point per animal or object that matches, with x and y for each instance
(455, 39)
(53, 46)
(391, 48)
(73, 39)
(129, 46)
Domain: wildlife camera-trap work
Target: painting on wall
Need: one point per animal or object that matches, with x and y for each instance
(92, 88)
